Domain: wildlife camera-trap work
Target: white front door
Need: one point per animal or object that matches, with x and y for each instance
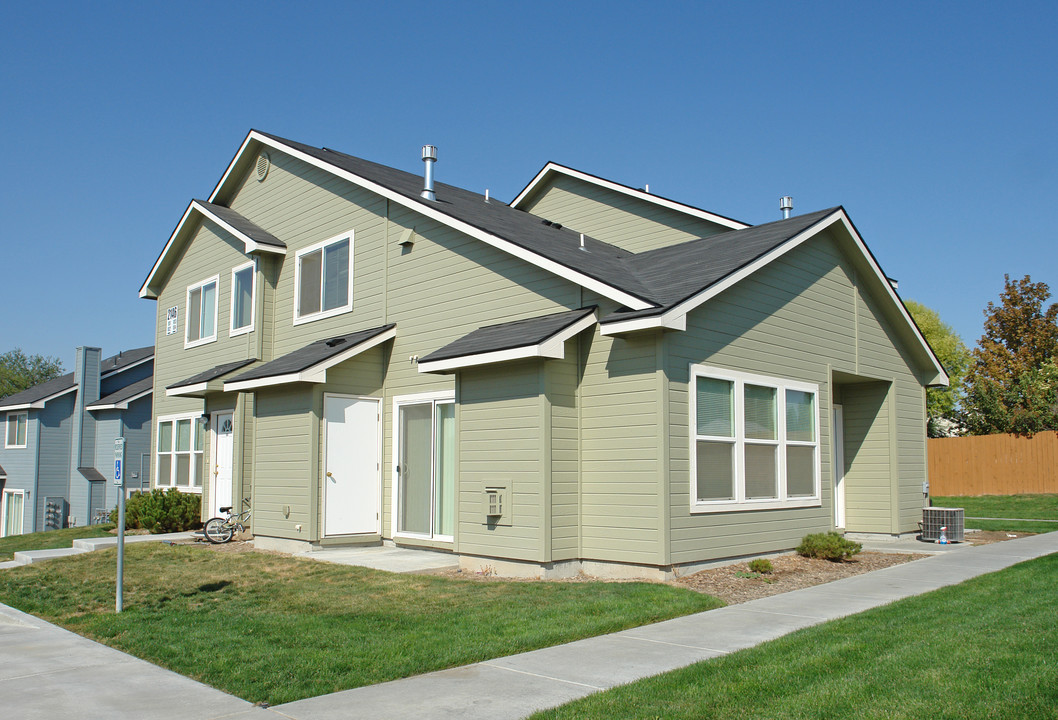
(223, 446)
(352, 470)
(837, 436)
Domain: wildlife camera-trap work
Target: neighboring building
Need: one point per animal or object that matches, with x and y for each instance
(58, 450)
(592, 377)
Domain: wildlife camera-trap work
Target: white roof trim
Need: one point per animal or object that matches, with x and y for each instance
(424, 208)
(123, 368)
(194, 205)
(625, 190)
(676, 317)
(184, 390)
(552, 347)
(123, 405)
(318, 372)
(38, 404)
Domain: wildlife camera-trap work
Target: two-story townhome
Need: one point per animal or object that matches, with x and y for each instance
(57, 457)
(589, 378)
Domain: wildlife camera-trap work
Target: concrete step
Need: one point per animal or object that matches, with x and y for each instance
(28, 557)
(101, 543)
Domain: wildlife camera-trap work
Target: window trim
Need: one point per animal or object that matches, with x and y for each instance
(322, 314)
(4, 499)
(187, 312)
(441, 397)
(741, 503)
(232, 330)
(196, 421)
(7, 429)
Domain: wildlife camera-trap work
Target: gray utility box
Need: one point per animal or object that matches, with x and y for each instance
(934, 518)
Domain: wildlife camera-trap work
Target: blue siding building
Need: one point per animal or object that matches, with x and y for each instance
(56, 461)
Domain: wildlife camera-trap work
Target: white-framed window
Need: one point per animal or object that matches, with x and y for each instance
(179, 459)
(323, 279)
(17, 427)
(754, 441)
(201, 323)
(12, 512)
(243, 292)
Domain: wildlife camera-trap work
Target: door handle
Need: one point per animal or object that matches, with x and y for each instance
(330, 476)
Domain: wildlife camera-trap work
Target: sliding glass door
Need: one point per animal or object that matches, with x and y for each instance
(426, 468)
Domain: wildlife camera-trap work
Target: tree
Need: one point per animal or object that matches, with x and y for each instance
(18, 372)
(1012, 385)
(942, 403)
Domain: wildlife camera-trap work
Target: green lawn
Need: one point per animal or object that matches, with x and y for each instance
(983, 649)
(49, 540)
(271, 628)
(1030, 507)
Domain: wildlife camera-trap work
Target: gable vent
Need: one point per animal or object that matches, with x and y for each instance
(263, 163)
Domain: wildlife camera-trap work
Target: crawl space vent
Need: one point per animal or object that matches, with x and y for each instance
(263, 164)
(934, 518)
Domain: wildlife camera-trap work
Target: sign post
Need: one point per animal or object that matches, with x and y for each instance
(119, 480)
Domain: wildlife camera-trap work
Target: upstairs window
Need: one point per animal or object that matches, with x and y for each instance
(201, 321)
(323, 279)
(243, 282)
(755, 442)
(17, 424)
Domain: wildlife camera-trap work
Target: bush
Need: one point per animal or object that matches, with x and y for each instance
(761, 565)
(828, 546)
(162, 511)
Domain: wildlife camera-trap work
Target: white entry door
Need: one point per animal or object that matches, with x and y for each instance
(223, 446)
(837, 436)
(352, 469)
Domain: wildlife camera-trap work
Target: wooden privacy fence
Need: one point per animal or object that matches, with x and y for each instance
(994, 464)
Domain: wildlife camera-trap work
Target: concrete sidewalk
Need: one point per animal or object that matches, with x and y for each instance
(47, 672)
(83, 545)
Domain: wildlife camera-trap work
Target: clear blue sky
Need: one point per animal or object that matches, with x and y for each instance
(933, 124)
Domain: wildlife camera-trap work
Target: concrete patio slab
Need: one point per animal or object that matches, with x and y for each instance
(383, 557)
(108, 542)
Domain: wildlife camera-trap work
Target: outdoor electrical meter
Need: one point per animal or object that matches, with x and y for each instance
(119, 461)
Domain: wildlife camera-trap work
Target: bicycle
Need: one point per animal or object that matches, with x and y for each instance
(221, 530)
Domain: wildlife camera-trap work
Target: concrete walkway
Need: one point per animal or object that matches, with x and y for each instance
(384, 557)
(47, 672)
(27, 557)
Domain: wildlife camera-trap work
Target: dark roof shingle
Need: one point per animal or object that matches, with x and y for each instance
(310, 355)
(509, 335)
(125, 393)
(246, 227)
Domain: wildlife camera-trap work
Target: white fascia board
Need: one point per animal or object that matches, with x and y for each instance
(144, 292)
(250, 244)
(40, 403)
(318, 372)
(184, 390)
(670, 320)
(552, 347)
(423, 208)
(123, 368)
(552, 167)
(123, 405)
(23, 406)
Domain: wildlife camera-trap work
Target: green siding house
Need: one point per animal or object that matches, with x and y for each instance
(590, 378)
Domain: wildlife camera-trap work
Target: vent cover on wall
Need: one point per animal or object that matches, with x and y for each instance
(263, 163)
(934, 518)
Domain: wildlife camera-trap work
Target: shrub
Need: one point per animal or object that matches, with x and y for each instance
(162, 511)
(828, 546)
(761, 565)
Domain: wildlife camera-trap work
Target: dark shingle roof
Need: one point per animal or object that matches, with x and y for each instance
(90, 473)
(65, 382)
(3, 474)
(125, 393)
(310, 355)
(125, 358)
(212, 374)
(257, 234)
(509, 335)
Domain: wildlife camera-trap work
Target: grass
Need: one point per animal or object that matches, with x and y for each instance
(1029, 507)
(981, 649)
(49, 540)
(274, 629)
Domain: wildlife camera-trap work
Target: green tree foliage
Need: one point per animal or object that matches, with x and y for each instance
(1012, 385)
(19, 371)
(942, 403)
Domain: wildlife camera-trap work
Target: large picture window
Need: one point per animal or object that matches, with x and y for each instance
(17, 425)
(179, 457)
(323, 279)
(755, 441)
(242, 299)
(201, 321)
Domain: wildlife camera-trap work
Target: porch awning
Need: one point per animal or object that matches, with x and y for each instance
(210, 381)
(543, 336)
(120, 400)
(310, 363)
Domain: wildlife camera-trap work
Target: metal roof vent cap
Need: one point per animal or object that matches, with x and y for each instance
(429, 156)
(786, 205)
(263, 164)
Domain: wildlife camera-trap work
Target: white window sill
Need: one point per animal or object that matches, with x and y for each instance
(202, 341)
(748, 505)
(240, 331)
(322, 315)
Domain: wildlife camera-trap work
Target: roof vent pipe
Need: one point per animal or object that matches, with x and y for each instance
(786, 205)
(429, 156)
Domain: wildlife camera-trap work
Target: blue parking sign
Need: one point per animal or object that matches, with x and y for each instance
(117, 471)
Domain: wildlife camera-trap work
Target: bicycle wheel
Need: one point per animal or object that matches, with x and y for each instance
(217, 530)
